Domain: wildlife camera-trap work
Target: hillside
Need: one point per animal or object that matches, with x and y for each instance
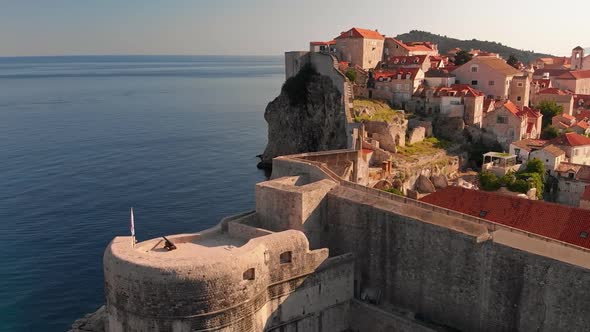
(446, 43)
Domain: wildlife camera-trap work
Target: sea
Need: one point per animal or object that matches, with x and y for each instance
(85, 138)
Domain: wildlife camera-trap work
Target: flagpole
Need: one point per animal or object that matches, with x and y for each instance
(132, 228)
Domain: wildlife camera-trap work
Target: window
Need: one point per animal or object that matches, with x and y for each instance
(520, 85)
(519, 98)
(474, 69)
(483, 213)
(286, 257)
(584, 235)
(546, 160)
(249, 274)
(491, 83)
(473, 82)
(570, 175)
(502, 119)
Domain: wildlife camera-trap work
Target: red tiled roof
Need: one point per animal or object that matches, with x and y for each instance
(551, 72)
(406, 60)
(553, 91)
(583, 124)
(331, 42)
(542, 82)
(387, 73)
(512, 108)
(559, 222)
(458, 90)
(571, 139)
(530, 112)
(575, 75)
(584, 114)
(529, 144)
(361, 33)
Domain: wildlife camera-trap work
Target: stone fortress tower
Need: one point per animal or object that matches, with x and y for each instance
(235, 276)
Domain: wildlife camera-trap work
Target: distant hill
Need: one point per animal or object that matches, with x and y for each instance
(446, 43)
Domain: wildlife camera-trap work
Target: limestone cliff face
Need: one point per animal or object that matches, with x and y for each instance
(307, 116)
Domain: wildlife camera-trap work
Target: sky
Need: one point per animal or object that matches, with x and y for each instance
(271, 27)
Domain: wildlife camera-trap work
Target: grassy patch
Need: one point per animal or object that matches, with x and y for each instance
(380, 109)
(428, 146)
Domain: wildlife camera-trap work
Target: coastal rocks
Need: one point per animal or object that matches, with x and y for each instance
(307, 116)
(424, 185)
(94, 322)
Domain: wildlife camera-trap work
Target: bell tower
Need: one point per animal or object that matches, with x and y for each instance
(577, 58)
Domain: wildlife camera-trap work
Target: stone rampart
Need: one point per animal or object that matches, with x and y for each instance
(217, 281)
(456, 270)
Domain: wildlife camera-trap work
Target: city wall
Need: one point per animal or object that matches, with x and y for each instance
(205, 288)
(455, 270)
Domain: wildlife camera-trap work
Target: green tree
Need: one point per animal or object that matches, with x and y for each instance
(488, 181)
(535, 166)
(549, 132)
(549, 109)
(462, 57)
(351, 75)
(513, 61)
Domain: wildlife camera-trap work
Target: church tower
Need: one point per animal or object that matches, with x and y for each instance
(577, 58)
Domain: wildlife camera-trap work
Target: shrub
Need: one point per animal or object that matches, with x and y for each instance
(351, 75)
(488, 181)
(535, 166)
(519, 185)
(394, 191)
(507, 179)
(549, 132)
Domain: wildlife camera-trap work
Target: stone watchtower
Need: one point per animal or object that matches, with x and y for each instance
(577, 58)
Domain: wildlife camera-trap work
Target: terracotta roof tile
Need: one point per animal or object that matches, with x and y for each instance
(571, 139)
(361, 33)
(559, 222)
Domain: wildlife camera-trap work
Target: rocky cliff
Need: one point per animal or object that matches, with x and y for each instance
(307, 116)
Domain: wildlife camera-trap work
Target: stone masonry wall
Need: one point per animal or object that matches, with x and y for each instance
(447, 275)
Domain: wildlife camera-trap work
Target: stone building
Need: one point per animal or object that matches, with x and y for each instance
(394, 47)
(572, 181)
(551, 156)
(509, 123)
(490, 75)
(360, 47)
(398, 84)
(576, 81)
(520, 90)
(560, 97)
(455, 101)
(576, 147)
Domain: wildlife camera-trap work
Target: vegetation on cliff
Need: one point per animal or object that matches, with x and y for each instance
(296, 87)
(447, 43)
(374, 110)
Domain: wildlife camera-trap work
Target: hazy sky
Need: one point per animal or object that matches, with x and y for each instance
(57, 27)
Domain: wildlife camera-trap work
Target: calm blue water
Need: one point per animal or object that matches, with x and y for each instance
(84, 138)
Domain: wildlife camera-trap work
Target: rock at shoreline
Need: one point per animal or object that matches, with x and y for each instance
(94, 322)
(307, 116)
